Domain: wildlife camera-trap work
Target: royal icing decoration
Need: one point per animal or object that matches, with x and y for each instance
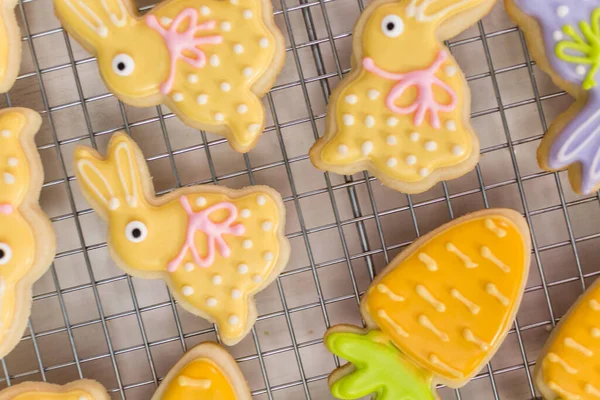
(10, 46)
(83, 389)
(208, 243)
(570, 46)
(568, 368)
(206, 372)
(435, 325)
(210, 61)
(403, 118)
(27, 243)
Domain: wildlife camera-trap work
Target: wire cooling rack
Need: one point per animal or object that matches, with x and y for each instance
(91, 320)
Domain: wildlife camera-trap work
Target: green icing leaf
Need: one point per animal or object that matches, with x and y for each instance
(380, 369)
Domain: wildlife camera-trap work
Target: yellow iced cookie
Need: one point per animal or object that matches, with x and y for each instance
(438, 312)
(206, 372)
(83, 389)
(27, 243)
(10, 45)
(215, 247)
(403, 112)
(209, 61)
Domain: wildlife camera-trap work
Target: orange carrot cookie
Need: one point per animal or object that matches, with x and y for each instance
(10, 46)
(568, 367)
(438, 312)
(83, 389)
(405, 119)
(209, 61)
(27, 243)
(215, 247)
(206, 372)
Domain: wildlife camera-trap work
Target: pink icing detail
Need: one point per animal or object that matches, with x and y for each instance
(6, 209)
(424, 80)
(178, 42)
(200, 221)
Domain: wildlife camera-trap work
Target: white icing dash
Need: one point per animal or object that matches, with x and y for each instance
(411, 159)
(204, 10)
(431, 145)
(433, 359)
(490, 225)
(165, 20)
(247, 244)
(464, 258)
(187, 290)
(247, 14)
(367, 148)
(457, 150)
(238, 48)
(215, 61)
(211, 302)
(236, 294)
(557, 35)
(242, 269)
(217, 280)
(225, 86)
(369, 121)
(177, 97)
(595, 332)
(5, 133)
(348, 119)
(373, 94)
(264, 43)
(474, 308)
(253, 128)
(242, 109)
(351, 99)
(266, 226)
(247, 72)
(13, 162)
(492, 290)
(594, 305)
(342, 149)
(423, 172)
(226, 26)
(202, 99)
(451, 125)
(268, 256)
(189, 267)
(589, 389)
(261, 200)
(190, 382)
(428, 297)
(553, 358)
(562, 11)
(428, 261)
(562, 392)
(426, 323)
(581, 70)
(488, 255)
(233, 320)
(573, 344)
(219, 117)
(387, 291)
(392, 122)
(414, 136)
(9, 179)
(245, 213)
(192, 78)
(470, 337)
(391, 162)
(257, 278)
(399, 330)
(450, 70)
(391, 140)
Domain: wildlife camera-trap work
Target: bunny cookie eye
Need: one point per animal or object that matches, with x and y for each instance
(5, 253)
(392, 26)
(136, 231)
(123, 64)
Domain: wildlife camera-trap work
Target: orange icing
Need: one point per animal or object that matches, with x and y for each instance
(201, 379)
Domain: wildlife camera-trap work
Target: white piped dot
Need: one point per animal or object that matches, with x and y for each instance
(261, 200)
(217, 280)
(215, 61)
(247, 244)
(557, 35)
(431, 145)
(264, 43)
(189, 267)
(581, 70)
(113, 204)
(423, 172)
(165, 20)
(247, 14)
(414, 136)
(392, 121)
(411, 159)
(225, 86)
(177, 97)
(5, 133)
(268, 256)
(238, 48)
(245, 213)
(253, 128)
(242, 109)
(351, 99)
(348, 119)
(450, 70)
(247, 72)
(202, 99)
(192, 78)
(370, 121)
(187, 290)
(13, 162)
(211, 302)
(226, 26)
(219, 117)
(267, 226)
(451, 125)
(233, 320)
(200, 201)
(367, 148)
(234, 2)
(257, 278)
(342, 149)
(391, 140)
(391, 162)
(373, 94)
(242, 269)
(9, 179)
(236, 294)
(562, 11)
(457, 150)
(204, 10)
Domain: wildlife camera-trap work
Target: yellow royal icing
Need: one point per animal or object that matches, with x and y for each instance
(448, 319)
(71, 395)
(401, 117)
(208, 60)
(201, 379)
(214, 247)
(10, 45)
(83, 389)
(568, 366)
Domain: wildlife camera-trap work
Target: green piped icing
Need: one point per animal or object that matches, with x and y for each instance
(380, 369)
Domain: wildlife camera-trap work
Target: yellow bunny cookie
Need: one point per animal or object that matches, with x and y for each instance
(210, 61)
(27, 243)
(215, 247)
(10, 45)
(403, 112)
(83, 389)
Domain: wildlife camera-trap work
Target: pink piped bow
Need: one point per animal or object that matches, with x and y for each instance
(178, 42)
(214, 232)
(423, 80)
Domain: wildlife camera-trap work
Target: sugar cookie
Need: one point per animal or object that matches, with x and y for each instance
(568, 366)
(27, 243)
(214, 247)
(205, 372)
(10, 46)
(562, 36)
(438, 312)
(209, 61)
(83, 389)
(404, 119)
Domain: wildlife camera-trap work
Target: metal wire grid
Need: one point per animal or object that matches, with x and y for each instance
(368, 253)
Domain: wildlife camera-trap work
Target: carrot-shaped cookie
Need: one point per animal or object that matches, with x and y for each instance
(83, 389)
(403, 112)
(438, 312)
(214, 247)
(569, 365)
(10, 45)
(209, 61)
(27, 243)
(206, 372)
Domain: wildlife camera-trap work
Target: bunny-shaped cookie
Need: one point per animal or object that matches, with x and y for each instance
(564, 38)
(83, 389)
(10, 45)
(210, 61)
(27, 243)
(215, 247)
(403, 112)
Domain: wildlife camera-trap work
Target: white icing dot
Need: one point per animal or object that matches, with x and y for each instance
(392, 121)
(202, 99)
(414, 136)
(373, 94)
(457, 150)
(450, 70)
(243, 269)
(242, 109)
(113, 203)
(234, 2)
(351, 99)
(247, 14)
(189, 267)
(391, 162)
(581, 70)
(267, 226)
(423, 172)
(264, 43)
(261, 200)
(217, 280)
(83, 398)
(225, 86)
(192, 78)
(367, 147)
(268, 256)
(557, 35)
(211, 302)
(253, 128)
(342, 149)
(562, 11)
(13, 162)
(247, 72)
(215, 61)
(226, 26)
(245, 213)
(9, 179)
(431, 145)
(5, 133)
(411, 159)
(370, 121)
(247, 244)
(257, 278)
(238, 48)
(219, 117)
(165, 20)
(451, 125)
(187, 290)
(236, 294)
(204, 10)
(391, 140)
(177, 97)
(233, 320)
(200, 201)
(348, 119)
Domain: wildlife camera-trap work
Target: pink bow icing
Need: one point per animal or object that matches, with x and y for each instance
(6, 209)
(200, 221)
(178, 42)
(424, 80)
